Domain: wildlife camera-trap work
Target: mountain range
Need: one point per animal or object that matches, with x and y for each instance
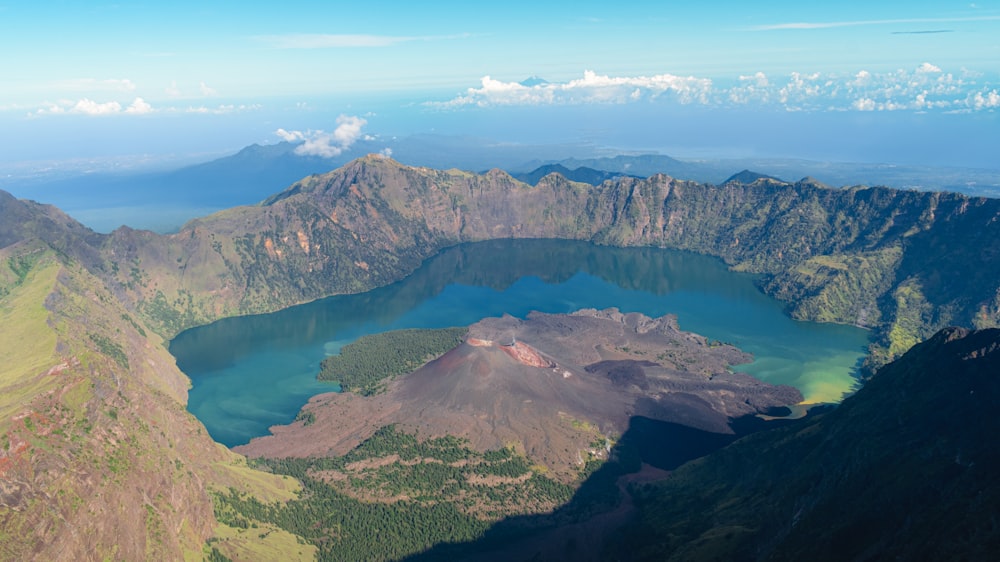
(895, 261)
(164, 200)
(99, 458)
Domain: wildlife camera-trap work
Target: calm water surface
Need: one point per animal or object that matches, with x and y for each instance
(250, 373)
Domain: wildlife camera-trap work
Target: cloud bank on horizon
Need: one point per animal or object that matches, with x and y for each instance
(924, 88)
(138, 106)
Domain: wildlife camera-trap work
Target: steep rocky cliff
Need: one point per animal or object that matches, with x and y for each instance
(905, 263)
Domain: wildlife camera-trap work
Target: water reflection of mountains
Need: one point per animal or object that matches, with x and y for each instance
(496, 264)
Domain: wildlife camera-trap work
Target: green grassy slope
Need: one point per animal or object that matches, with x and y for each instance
(98, 457)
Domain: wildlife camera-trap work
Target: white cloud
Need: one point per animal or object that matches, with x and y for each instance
(861, 79)
(385, 152)
(49, 109)
(758, 80)
(290, 136)
(206, 90)
(90, 107)
(751, 88)
(139, 107)
(323, 144)
(172, 90)
(592, 88)
(864, 104)
(922, 88)
(988, 100)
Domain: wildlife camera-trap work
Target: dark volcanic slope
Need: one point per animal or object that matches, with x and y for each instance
(548, 385)
(906, 469)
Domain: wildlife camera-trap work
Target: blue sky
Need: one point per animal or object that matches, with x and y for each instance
(97, 80)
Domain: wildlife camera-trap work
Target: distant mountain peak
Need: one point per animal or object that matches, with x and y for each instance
(747, 177)
(581, 174)
(809, 180)
(532, 81)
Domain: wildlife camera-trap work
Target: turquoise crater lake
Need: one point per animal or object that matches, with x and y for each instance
(249, 373)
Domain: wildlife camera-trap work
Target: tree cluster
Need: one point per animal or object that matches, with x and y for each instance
(366, 364)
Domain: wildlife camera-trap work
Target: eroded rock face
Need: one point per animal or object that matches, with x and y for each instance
(549, 385)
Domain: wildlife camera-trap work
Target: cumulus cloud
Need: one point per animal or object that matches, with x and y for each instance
(759, 80)
(290, 136)
(206, 90)
(751, 88)
(172, 90)
(923, 88)
(87, 106)
(864, 104)
(90, 107)
(324, 144)
(138, 107)
(592, 88)
(987, 100)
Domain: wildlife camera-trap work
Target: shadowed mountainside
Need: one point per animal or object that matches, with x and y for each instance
(905, 469)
